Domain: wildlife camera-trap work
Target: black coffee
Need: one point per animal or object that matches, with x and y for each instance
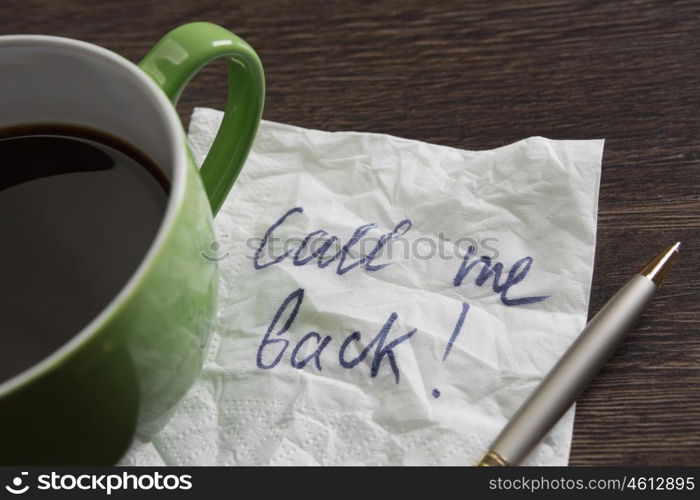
(78, 212)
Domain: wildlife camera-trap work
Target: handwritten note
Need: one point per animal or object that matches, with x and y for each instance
(276, 341)
(385, 301)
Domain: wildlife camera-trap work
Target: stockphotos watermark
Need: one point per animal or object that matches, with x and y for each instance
(324, 247)
(103, 483)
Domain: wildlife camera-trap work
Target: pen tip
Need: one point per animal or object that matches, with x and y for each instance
(657, 269)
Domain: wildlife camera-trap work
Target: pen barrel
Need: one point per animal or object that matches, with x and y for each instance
(574, 371)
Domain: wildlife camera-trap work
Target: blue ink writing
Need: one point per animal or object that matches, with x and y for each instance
(321, 236)
(379, 347)
(380, 351)
(263, 242)
(458, 328)
(297, 296)
(316, 355)
(516, 274)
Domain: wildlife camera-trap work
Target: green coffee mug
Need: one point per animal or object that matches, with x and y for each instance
(122, 374)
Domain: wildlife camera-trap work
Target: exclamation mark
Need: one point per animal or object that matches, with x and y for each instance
(453, 338)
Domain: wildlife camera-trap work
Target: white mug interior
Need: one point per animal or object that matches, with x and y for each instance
(48, 79)
(54, 80)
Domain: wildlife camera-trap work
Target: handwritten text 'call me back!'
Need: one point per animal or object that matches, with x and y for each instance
(276, 344)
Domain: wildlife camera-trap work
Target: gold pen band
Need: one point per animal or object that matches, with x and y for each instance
(492, 459)
(657, 269)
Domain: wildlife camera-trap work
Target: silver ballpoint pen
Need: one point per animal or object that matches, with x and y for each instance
(579, 364)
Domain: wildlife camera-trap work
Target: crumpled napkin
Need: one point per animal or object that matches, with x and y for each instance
(385, 301)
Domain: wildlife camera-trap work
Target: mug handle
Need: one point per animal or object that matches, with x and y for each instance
(172, 63)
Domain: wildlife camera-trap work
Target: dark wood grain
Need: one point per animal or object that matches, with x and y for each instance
(477, 75)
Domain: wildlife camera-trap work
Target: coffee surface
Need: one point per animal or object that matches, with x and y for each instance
(78, 212)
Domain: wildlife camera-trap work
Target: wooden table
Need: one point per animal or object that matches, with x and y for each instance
(478, 75)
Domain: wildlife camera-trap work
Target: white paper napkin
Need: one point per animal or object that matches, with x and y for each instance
(385, 301)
